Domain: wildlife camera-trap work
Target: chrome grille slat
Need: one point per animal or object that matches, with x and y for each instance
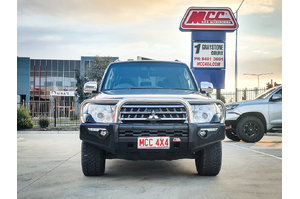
(158, 112)
(146, 118)
(149, 106)
(162, 112)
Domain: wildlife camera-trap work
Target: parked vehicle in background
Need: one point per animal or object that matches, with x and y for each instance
(250, 120)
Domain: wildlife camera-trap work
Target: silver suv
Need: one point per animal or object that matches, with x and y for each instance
(151, 110)
(250, 120)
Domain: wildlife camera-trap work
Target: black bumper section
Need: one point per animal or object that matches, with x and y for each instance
(119, 145)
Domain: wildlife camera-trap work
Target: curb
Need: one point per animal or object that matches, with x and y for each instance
(47, 132)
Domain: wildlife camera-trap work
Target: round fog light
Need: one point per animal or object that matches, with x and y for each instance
(202, 133)
(103, 133)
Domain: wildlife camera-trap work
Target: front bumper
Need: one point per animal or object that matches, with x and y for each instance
(121, 140)
(231, 118)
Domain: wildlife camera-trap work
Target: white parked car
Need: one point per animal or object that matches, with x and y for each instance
(250, 120)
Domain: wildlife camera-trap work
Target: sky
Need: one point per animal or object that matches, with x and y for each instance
(129, 28)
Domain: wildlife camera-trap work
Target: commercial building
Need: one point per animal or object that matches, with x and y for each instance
(49, 79)
(40, 82)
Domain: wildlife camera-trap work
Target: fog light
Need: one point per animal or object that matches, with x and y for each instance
(103, 133)
(210, 129)
(95, 129)
(205, 131)
(202, 133)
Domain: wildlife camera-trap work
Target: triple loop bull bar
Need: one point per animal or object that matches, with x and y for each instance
(185, 102)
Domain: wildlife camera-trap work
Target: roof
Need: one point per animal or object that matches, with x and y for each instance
(148, 61)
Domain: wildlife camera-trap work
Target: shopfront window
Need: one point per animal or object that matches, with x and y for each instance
(59, 74)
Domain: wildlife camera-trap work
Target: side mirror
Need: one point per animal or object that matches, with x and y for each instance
(90, 87)
(276, 97)
(206, 87)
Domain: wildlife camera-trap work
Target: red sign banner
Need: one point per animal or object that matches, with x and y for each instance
(220, 19)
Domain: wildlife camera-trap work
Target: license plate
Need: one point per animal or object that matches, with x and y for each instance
(153, 142)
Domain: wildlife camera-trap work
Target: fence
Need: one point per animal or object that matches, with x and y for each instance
(59, 113)
(66, 113)
(242, 94)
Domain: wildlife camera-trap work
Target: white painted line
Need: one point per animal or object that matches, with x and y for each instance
(48, 172)
(255, 151)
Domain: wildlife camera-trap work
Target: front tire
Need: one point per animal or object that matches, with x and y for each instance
(92, 160)
(209, 160)
(250, 129)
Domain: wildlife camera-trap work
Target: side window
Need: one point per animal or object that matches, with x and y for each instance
(277, 98)
(279, 92)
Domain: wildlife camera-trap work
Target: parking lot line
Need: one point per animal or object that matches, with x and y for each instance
(48, 172)
(255, 151)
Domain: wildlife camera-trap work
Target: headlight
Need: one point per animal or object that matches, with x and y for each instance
(204, 113)
(231, 106)
(98, 113)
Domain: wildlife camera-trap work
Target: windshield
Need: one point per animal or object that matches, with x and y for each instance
(148, 75)
(266, 93)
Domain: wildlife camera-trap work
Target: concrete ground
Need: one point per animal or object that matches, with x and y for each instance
(49, 167)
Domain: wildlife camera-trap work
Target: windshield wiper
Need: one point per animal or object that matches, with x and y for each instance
(148, 88)
(181, 89)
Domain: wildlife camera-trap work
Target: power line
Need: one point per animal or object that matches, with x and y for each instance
(239, 6)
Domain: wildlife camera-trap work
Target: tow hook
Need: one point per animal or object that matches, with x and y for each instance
(228, 127)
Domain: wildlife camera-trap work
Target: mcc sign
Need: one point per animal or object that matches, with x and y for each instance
(208, 19)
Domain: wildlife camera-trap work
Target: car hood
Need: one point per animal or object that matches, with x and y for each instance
(248, 102)
(164, 93)
(259, 105)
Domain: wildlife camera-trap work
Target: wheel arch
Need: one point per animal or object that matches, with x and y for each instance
(255, 114)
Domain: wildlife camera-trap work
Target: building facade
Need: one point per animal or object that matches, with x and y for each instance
(49, 79)
(23, 76)
(40, 82)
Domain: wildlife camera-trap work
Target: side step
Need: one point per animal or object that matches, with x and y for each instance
(277, 129)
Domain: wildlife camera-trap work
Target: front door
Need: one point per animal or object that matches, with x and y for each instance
(275, 110)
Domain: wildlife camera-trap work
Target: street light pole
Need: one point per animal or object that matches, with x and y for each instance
(236, 69)
(258, 75)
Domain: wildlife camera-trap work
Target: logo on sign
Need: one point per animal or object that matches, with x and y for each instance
(208, 19)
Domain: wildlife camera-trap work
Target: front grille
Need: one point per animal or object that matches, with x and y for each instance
(153, 113)
(153, 130)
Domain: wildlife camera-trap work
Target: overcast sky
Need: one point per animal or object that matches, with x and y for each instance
(129, 28)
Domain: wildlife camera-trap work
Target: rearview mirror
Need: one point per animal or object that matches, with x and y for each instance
(206, 87)
(90, 87)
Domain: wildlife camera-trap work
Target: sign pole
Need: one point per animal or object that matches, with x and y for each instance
(236, 68)
(219, 94)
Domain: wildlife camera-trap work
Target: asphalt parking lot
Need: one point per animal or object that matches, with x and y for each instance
(49, 167)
